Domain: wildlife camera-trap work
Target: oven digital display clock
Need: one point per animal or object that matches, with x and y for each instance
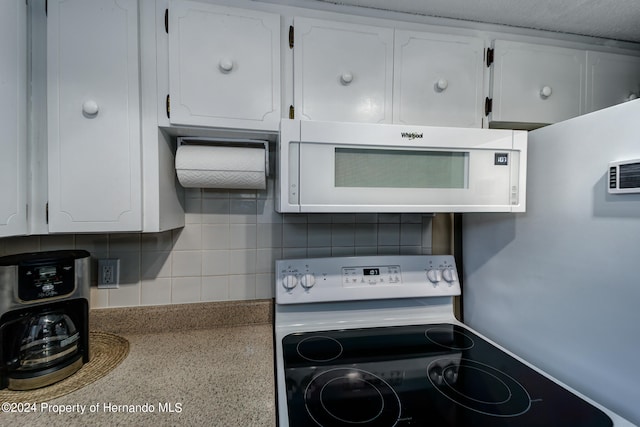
(368, 276)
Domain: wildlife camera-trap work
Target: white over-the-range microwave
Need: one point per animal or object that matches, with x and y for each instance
(357, 167)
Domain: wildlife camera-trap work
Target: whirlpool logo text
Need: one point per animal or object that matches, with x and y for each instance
(411, 135)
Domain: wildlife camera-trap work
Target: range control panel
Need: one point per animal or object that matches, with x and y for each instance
(311, 280)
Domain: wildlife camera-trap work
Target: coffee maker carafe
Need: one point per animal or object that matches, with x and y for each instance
(44, 317)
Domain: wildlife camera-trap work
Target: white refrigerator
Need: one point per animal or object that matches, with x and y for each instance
(559, 285)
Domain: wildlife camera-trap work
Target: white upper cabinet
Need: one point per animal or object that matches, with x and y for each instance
(611, 79)
(537, 83)
(13, 117)
(93, 116)
(224, 66)
(342, 72)
(438, 79)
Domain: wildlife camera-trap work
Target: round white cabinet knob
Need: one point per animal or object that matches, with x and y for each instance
(90, 107)
(289, 281)
(546, 92)
(346, 78)
(434, 275)
(225, 65)
(441, 85)
(308, 280)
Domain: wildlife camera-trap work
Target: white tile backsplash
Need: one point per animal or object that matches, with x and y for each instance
(186, 264)
(294, 234)
(215, 211)
(318, 235)
(215, 263)
(389, 234)
(228, 248)
(242, 287)
(343, 234)
(156, 291)
(155, 264)
(100, 242)
(215, 236)
(128, 294)
(57, 241)
(150, 242)
(188, 238)
(410, 234)
(242, 261)
(243, 236)
(366, 234)
(215, 288)
(186, 289)
(243, 211)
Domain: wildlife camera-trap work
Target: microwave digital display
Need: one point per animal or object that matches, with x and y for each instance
(382, 168)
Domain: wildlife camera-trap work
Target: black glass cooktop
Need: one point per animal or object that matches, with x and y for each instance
(423, 375)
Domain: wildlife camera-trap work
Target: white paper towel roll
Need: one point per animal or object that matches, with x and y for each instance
(215, 166)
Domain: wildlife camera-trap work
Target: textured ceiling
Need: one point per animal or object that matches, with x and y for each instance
(611, 19)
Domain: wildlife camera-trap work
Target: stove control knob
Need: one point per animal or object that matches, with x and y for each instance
(449, 275)
(308, 280)
(289, 281)
(434, 275)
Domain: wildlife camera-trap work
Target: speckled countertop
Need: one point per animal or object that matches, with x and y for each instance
(216, 372)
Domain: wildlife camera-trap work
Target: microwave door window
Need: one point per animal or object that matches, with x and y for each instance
(371, 168)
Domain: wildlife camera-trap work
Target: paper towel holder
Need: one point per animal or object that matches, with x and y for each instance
(229, 142)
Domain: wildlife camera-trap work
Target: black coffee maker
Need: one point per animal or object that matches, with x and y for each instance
(44, 317)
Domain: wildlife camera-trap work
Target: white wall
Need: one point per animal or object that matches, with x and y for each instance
(228, 247)
(558, 285)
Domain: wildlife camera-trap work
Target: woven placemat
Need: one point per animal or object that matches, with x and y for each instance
(106, 351)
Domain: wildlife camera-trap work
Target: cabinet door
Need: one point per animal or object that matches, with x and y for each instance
(13, 112)
(224, 66)
(93, 116)
(438, 79)
(612, 79)
(536, 83)
(342, 72)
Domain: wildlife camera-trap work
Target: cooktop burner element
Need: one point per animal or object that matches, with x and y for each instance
(373, 342)
(348, 396)
(445, 337)
(479, 387)
(319, 349)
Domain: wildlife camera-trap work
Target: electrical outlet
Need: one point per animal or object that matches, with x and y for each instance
(109, 273)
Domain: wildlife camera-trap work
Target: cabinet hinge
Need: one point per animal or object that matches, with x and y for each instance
(46, 213)
(290, 36)
(166, 21)
(489, 57)
(292, 112)
(168, 106)
(488, 106)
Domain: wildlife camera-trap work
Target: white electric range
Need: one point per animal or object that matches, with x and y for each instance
(373, 341)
